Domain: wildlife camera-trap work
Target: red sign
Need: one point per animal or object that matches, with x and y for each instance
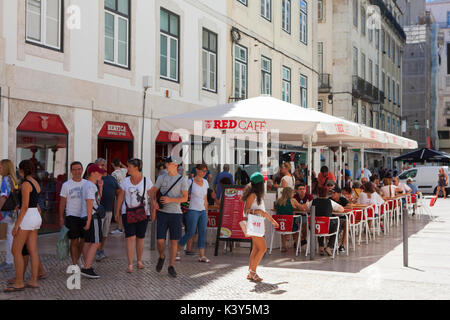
(42, 122)
(213, 219)
(232, 212)
(116, 130)
(243, 125)
(170, 137)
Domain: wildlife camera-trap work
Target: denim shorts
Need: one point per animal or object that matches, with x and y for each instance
(169, 221)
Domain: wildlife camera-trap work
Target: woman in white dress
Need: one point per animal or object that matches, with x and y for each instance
(254, 204)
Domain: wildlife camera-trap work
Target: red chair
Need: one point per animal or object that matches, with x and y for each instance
(370, 213)
(286, 225)
(322, 229)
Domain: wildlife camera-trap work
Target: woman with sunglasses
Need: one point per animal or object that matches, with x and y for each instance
(135, 192)
(197, 217)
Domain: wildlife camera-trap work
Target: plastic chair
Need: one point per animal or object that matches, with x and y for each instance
(322, 229)
(371, 215)
(286, 225)
(425, 206)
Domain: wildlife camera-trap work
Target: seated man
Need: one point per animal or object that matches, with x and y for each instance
(409, 183)
(337, 197)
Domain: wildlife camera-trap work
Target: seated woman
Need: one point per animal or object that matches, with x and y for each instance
(369, 196)
(356, 190)
(347, 193)
(325, 208)
(388, 189)
(286, 205)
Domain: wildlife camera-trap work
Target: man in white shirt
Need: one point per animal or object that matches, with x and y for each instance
(365, 173)
(120, 173)
(401, 187)
(71, 204)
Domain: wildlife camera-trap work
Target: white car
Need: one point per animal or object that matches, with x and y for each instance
(425, 178)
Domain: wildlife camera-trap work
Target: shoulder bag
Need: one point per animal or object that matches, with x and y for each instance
(160, 195)
(137, 214)
(12, 202)
(185, 205)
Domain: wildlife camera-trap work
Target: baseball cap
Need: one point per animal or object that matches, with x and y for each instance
(330, 182)
(336, 189)
(95, 168)
(171, 159)
(256, 178)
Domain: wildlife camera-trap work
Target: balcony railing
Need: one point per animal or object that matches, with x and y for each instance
(389, 17)
(324, 83)
(357, 87)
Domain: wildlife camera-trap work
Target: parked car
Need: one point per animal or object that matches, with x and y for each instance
(425, 178)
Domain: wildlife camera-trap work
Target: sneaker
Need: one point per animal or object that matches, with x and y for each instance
(5, 265)
(117, 231)
(341, 249)
(100, 255)
(172, 272)
(160, 264)
(89, 273)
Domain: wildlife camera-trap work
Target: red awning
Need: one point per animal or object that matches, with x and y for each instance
(116, 130)
(168, 137)
(42, 122)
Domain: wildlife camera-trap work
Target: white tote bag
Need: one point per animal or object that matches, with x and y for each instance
(255, 226)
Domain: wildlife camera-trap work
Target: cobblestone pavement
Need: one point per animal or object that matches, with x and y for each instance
(373, 271)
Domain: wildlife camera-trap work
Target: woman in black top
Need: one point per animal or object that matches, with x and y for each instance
(26, 229)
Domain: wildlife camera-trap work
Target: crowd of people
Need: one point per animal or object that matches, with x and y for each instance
(90, 201)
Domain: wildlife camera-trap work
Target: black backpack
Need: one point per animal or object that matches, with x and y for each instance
(12, 202)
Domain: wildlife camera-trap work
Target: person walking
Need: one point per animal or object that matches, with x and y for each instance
(25, 231)
(196, 217)
(254, 204)
(134, 196)
(120, 173)
(91, 215)
(71, 203)
(9, 184)
(173, 190)
(224, 174)
(109, 190)
(442, 183)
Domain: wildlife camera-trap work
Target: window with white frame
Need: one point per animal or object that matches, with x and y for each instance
(370, 71)
(286, 15)
(266, 75)
(169, 44)
(117, 26)
(43, 23)
(377, 76)
(363, 66)
(286, 84)
(320, 10)
(363, 20)
(303, 22)
(265, 9)
(320, 105)
(355, 13)
(303, 91)
(209, 60)
(240, 72)
(355, 61)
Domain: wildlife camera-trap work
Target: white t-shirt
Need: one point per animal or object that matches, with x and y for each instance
(385, 191)
(289, 180)
(375, 199)
(198, 194)
(120, 174)
(73, 192)
(133, 193)
(89, 192)
(404, 187)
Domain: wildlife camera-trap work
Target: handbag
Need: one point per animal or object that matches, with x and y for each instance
(12, 202)
(137, 214)
(62, 245)
(255, 225)
(160, 195)
(185, 205)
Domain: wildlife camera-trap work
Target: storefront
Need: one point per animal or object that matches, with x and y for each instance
(43, 139)
(115, 140)
(164, 144)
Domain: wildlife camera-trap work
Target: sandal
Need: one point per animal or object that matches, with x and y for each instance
(328, 252)
(204, 259)
(255, 277)
(11, 289)
(130, 269)
(31, 286)
(140, 265)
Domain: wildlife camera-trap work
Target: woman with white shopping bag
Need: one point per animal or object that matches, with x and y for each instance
(255, 212)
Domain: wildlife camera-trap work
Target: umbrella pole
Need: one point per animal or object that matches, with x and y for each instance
(340, 164)
(309, 168)
(362, 161)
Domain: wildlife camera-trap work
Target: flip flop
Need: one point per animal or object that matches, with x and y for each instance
(204, 259)
(11, 289)
(130, 270)
(31, 286)
(140, 265)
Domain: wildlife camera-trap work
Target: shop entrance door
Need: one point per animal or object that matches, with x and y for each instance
(111, 149)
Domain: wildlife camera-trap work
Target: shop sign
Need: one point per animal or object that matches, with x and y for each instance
(116, 130)
(243, 125)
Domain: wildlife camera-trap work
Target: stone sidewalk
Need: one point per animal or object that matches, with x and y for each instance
(373, 271)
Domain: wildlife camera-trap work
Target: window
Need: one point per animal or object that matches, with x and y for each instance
(355, 61)
(448, 122)
(408, 174)
(286, 84)
(398, 128)
(393, 52)
(355, 112)
(303, 91)
(266, 75)
(383, 45)
(377, 39)
(169, 55)
(370, 71)
(370, 35)
(398, 57)
(363, 21)
(117, 26)
(355, 13)
(389, 88)
(383, 82)
(320, 105)
(448, 18)
(388, 42)
(393, 90)
(43, 23)
(382, 123)
(371, 119)
(244, 2)
(240, 72)
(320, 55)
(265, 9)
(286, 15)
(363, 114)
(393, 126)
(320, 10)
(445, 135)
(209, 60)
(363, 66)
(303, 22)
(398, 94)
(377, 76)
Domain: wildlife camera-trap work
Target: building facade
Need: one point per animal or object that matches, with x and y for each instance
(440, 10)
(87, 79)
(359, 47)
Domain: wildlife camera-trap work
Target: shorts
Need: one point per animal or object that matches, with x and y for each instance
(169, 221)
(32, 220)
(134, 229)
(94, 234)
(106, 223)
(75, 226)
